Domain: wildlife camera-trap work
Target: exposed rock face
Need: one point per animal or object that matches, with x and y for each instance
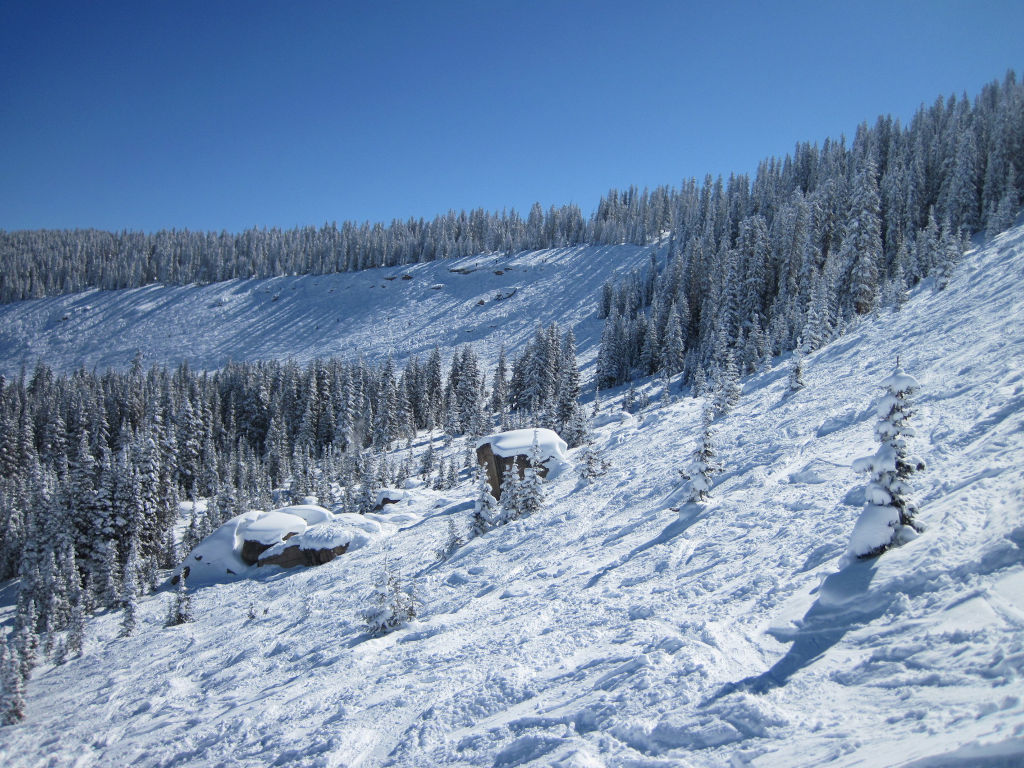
(496, 466)
(291, 557)
(251, 550)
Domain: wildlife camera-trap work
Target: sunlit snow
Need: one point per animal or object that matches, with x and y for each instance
(622, 626)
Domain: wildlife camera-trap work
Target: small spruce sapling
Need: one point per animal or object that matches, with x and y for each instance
(531, 491)
(593, 463)
(704, 467)
(888, 517)
(485, 510)
(390, 605)
(453, 540)
(180, 610)
(796, 371)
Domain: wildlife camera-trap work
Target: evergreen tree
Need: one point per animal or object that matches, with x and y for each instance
(593, 464)
(180, 609)
(796, 370)
(391, 605)
(485, 510)
(531, 490)
(75, 639)
(130, 589)
(727, 385)
(862, 240)
(510, 491)
(673, 352)
(888, 516)
(12, 686)
(367, 498)
(453, 540)
(704, 466)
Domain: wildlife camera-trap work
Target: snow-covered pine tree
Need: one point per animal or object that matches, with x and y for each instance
(727, 384)
(593, 463)
(1002, 215)
(704, 466)
(510, 488)
(130, 589)
(673, 350)
(485, 510)
(862, 239)
(180, 610)
(75, 638)
(12, 686)
(109, 586)
(699, 387)
(888, 516)
(577, 430)
(442, 475)
(453, 540)
(796, 370)
(531, 489)
(367, 498)
(391, 605)
(25, 640)
(427, 461)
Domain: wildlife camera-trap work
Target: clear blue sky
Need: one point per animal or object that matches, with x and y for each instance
(225, 115)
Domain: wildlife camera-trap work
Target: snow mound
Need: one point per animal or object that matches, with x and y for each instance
(218, 556)
(313, 514)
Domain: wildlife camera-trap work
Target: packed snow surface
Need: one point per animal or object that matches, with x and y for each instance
(621, 626)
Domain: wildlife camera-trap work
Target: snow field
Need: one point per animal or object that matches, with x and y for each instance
(622, 626)
(370, 313)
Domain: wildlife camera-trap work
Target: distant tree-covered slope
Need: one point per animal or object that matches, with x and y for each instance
(960, 161)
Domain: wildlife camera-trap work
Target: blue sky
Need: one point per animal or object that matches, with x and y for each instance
(225, 115)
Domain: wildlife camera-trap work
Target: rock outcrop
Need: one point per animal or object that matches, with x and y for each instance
(294, 556)
(497, 453)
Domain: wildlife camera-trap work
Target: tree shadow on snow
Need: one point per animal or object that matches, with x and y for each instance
(843, 604)
(688, 515)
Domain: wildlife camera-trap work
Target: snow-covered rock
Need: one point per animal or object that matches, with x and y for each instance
(266, 531)
(499, 451)
(318, 545)
(219, 555)
(303, 534)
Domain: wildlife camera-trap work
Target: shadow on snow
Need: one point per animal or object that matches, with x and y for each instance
(843, 604)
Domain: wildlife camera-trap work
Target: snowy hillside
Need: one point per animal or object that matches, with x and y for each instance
(620, 626)
(405, 310)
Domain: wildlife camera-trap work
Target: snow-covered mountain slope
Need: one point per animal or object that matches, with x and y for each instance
(622, 626)
(401, 310)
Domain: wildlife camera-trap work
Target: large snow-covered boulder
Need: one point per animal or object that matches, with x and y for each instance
(318, 545)
(500, 451)
(303, 534)
(269, 529)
